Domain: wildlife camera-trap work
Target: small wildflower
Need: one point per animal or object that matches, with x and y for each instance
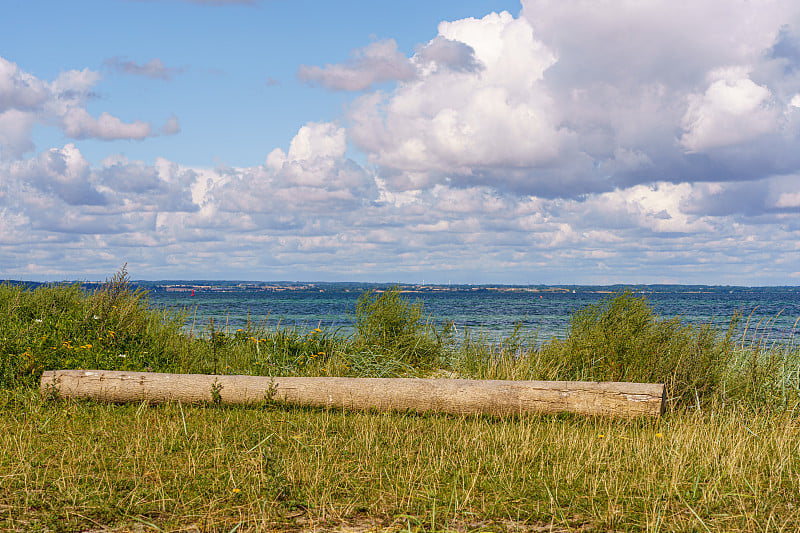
(317, 330)
(122, 355)
(96, 317)
(659, 435)
(600, 436)
(236, 491)
(38, 320)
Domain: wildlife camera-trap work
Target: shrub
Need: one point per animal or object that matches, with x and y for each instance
(388, 322)
(622, 339)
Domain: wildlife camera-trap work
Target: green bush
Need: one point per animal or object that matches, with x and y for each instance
(388, 322)
(622, 339)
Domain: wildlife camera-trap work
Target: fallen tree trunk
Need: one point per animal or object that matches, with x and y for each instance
(457, 396)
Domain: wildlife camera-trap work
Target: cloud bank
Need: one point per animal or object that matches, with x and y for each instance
(575, 99)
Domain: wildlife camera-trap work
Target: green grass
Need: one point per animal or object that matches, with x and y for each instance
(64, 327)
(726, 457)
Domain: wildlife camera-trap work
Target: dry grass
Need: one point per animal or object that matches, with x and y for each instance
(78, 465)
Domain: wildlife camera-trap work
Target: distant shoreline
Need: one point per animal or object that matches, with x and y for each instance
(324, 286)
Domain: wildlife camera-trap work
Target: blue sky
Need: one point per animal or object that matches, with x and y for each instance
(464, 141)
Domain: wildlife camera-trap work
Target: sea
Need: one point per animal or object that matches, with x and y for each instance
(768, 313)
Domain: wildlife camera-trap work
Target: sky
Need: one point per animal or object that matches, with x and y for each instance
(445, 141)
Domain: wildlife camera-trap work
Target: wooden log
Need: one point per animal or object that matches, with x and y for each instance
(457, 396)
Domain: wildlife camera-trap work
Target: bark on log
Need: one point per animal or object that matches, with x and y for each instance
(457, 396)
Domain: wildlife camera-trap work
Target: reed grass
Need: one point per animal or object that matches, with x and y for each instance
(726, 457)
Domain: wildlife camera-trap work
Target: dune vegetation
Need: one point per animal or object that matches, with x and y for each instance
(725, 457)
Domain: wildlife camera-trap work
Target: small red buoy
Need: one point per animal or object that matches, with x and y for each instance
(192, 292)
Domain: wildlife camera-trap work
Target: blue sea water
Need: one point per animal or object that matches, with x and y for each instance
(772, 311)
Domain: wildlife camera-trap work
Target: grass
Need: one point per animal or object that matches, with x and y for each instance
(64, 327)
(726, 457)
(74, 465)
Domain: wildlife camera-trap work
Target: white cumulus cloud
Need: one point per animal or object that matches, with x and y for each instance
(26, 101)
(469, 122)
(732, 110)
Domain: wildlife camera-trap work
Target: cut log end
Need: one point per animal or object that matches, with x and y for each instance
(455, 396)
